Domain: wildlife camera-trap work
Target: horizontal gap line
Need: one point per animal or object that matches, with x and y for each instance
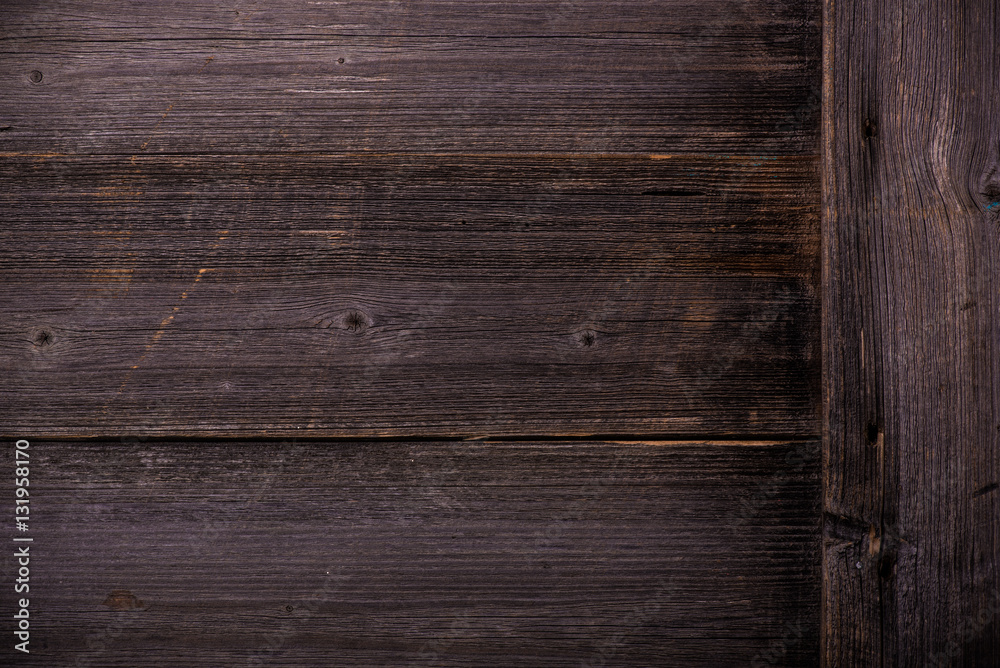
(592, 155)
(618, 438)
(243, 35)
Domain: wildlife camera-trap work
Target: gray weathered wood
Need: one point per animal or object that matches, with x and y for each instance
(394, 553)
(912, 258)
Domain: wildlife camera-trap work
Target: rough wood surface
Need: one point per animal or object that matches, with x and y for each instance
(371, 219)
(426, 76)
(405, 221)
(912, 558)
(793, 23)
(364, 295)
(424, 554)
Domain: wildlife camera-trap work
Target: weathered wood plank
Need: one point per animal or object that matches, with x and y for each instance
(389, 553)
(399, 295)
(770, 21)
(420, 218)
(749, 92)
(912, 256)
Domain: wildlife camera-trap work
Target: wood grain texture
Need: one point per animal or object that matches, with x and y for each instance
(407, 221)
(776, 22)
(641, 77)
(398, 295)
(425, 554)
(912, 554)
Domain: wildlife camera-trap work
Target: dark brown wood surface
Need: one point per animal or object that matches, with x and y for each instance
(468, 227)
(912, 553)
(375, 295)
(578, 75)
(455, 553)
(589, 230)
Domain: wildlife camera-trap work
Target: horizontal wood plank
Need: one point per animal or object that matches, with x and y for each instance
(712, 86)
(104, 20)
(410, 294)
(423, 553)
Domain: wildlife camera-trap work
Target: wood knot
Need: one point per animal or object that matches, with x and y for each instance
(869, 128)
(42, 338)
(992, 195)
(587, 338)
(356, 322)
(35, 77)
(121, 600)
(991, 191)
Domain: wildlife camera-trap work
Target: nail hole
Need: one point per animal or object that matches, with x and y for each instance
(869, 129)
(35, 76)
(992, 487)
(340, 60)
(871, 433)
(885, 567)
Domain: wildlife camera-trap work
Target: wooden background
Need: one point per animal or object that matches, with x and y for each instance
(446, 333)
(345, 238)
(427, 218)
(911, 327)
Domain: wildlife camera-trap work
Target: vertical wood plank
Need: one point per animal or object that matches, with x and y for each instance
(911, 209)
